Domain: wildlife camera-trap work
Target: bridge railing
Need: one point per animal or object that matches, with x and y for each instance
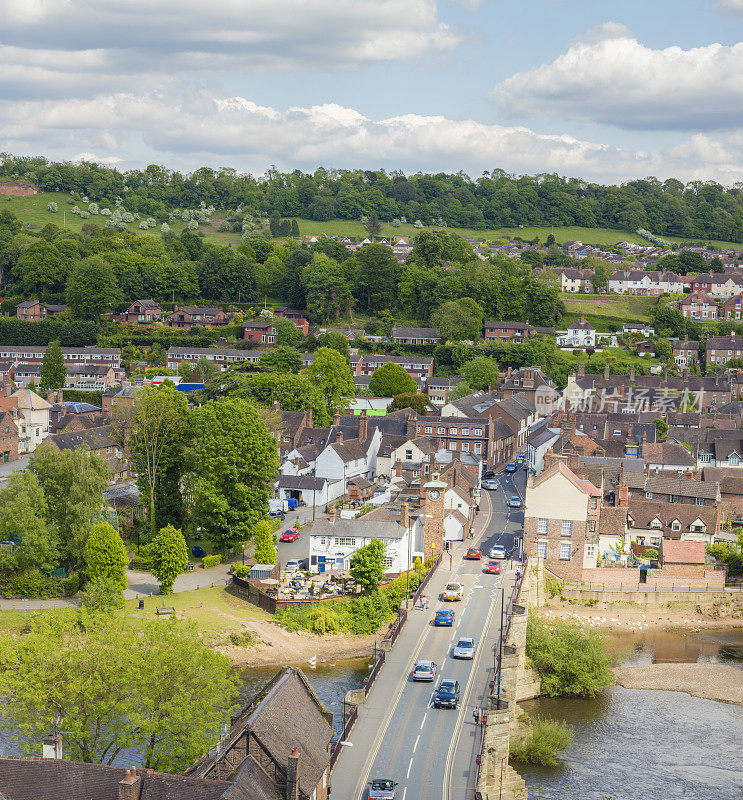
(335, 748)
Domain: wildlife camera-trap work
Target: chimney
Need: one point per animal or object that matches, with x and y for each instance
(623, 495)
(363, 426)
(292, 776)
(51, 746)
(404, 515)
(398, 468)
(331, 516)
(411, 430)
(581, 369)
(647, 469)
(508, 373)
(337, 418)
(632, 374)
(688, 475)
(644, 437)
(131, 786)
(339, 438)
(606, 372)
(50, 398)
(308, 418)
(7, 386)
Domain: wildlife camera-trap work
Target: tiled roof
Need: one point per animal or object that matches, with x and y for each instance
(643, 512)
(350, 450)
(585, 486)
(668, 453)
(671, 484)
(369, 526)
(684, 552)
(93, 439)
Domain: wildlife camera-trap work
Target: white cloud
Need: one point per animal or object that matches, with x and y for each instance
(61, 47)
(190, 130)
(94, 159)
(734, 5)
(610, 77)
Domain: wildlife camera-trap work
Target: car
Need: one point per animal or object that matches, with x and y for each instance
(474, 554)
(290, 535)
(447, 695)
(489, 485)
(382, 789)
(293, 565)
(492, 568)
(198, 552)
(444, 618)
(424, 670)
(510, 468)
(488, 473)
(514, 501)
(497, 551)
(276, 514)
(452, 591)
(464, 648)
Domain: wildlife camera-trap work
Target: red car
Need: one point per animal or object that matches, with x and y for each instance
(474, 554)
(492, 568)
(290, 535)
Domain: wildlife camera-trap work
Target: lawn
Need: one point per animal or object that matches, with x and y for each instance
(624, 307)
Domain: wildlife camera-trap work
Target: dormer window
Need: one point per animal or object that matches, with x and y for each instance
(675, 525)
(656, 523)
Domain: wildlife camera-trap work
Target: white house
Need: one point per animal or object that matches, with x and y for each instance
(334, 541)
(342, 460)
(579, 334)
(537, 445)
(309, 489)
(33, 426)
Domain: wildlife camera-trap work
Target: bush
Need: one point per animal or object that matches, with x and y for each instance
(241, 570)
(212, 561)
(242, 639)
(104, 595)
(369, 613)
(570, 661)
(31, 584)
(546, 739)
(71, 584)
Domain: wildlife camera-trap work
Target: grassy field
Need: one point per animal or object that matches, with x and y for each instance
(32, 210)
(625, 307)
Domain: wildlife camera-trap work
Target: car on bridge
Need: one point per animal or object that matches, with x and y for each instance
(514, 501)
(382, 789)
(511, 468)
(492, 568)
(290, 535)
(464, 648)
(474, 554)
(497, 551)
(444, 618)
(452, 591)
(447, 695)
(424, 670)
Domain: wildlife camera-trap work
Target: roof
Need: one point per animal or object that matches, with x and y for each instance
(643, 512)
(30, 400)
(585, 486)
(367, 527)
(415, 333)
(668, 453)
(55, 779)
(729, 478)
(581, 324)
(74, 408)
(306, 482)
(349, 450)
(683, 552)
(612, 520)
(93, 439)
(672, 484)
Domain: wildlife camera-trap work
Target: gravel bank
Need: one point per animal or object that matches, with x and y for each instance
(721, 682)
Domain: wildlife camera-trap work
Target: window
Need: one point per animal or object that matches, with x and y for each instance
(592, 526)
(698, 527)
(452, 445)
(541, 549)
(675, 525)
(478, 431)
(648, 495)
(655, 541)
(698, 501)
(591, 550)
(594, 502)
(542, 526)
(478, 447)
(408, 455)
(7, 429)
(322, 540)
(465, 446)
(706, 457)
(441, 430)
(388, 563)
(672, 498)
(565, 551)
(465, 431)
(452, 431)
(429, 429)
(345, 542)
(566, 528)
(734, 458)
(656, 523)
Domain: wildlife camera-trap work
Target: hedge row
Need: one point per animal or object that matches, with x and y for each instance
(71, 333)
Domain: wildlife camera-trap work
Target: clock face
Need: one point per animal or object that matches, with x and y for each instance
(434, 494)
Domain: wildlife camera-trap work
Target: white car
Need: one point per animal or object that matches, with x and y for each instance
(514, 502)
(464, 648)
(497, 551)
(453, 591)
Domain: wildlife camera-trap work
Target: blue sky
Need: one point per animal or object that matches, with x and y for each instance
(603, 90)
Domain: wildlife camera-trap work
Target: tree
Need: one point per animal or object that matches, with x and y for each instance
(102, 596)
(169, 557)
(286, 332)
(236, 460)
(459, 320)
(601, 273)
(263, 537)
(23, 516)
(108, 686)
(418, 402)
(367, 565)
(274, 223)
(105, 555)
(373, 226)
(663, 350)
(550, 240)
(73, 482)
(154, 431)
(661, 429)
(332, 374)
(92, 288)
(391, 380)
(206, 370)
(281, 359)
(481, 372)
(295, 228)
(376, 279)
(53, 374)
(335, 340)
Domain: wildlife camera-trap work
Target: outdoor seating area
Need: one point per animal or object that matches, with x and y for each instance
(296, 586)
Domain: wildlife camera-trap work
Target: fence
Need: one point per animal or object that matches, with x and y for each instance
(348, 723)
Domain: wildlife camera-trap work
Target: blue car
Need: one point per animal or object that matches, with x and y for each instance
(510, 468)
(444, 618)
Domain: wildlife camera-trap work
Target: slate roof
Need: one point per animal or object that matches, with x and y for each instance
(729, 478)
(671, 484)
(369, 526)
(94, 439)
(55, 779)
(668, 453)
(541, 437)
(643, 512)
(306, 482)
(415, 333)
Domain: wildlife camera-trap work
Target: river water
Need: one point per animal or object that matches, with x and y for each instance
(636, 744)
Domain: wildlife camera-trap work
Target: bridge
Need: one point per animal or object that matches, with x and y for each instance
(436, 753)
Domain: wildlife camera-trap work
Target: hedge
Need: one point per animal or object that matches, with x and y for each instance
(33, 584)
(71, 333)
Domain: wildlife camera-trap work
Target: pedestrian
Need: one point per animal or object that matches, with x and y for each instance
(450, 561)
(476, 715)
(518, 572)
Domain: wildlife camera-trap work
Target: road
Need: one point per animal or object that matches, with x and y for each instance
(399, 735)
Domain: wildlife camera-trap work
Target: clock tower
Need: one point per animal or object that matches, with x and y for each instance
(433, 494)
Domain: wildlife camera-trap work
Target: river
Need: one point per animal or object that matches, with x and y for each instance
(636, 744)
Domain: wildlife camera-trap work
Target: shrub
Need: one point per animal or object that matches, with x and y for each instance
(241, 570)
(325, 619)
(546, 739)
(102, 594)
(31, 584)
(552, 586)
(570, 661)
(212, 561)
(52, 208)
(242, 639)
(369, 613)
(71, 584)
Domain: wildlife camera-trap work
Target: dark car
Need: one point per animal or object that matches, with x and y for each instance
(198, 552)
(444, 618)
(382, 789)
(510, 468)
(474, 554)
(488, 473)
(492, 568)
(447, 695)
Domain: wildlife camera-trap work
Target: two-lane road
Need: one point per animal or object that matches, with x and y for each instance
(431, 752)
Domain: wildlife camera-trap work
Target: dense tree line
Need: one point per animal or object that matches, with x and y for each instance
(698, 209)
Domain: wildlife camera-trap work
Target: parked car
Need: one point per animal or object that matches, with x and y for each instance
(444, 618)
(510, 468)
(452, 591)
(474, 554)
(290, 535)
(488, 473)
(424, 670)
(447, 695)
(293, 565)
(514, 501)
(464, 648)
(382, 789)
(276, 514)
(492, 568)
(198, 552)
(497, 551)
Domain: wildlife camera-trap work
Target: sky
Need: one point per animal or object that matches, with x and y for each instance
(606, 91)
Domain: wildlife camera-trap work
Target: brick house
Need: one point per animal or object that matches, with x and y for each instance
(511, 331)
(698, 305)
(731, 308)
(420, 367)
(197, 316)
(143, 311)
(686, 352)
(300, 318)
(682, 559)
(8, 437)
(259, 331)
(34, 311)
(561, 519)
(720, 349)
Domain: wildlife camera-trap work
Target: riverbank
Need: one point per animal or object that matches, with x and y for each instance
(722, 682)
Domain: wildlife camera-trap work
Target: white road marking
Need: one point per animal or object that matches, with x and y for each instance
(415, 746)
(404, 792)
(430, 701)
(424, 718)
(410, 766)
(443, 662)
